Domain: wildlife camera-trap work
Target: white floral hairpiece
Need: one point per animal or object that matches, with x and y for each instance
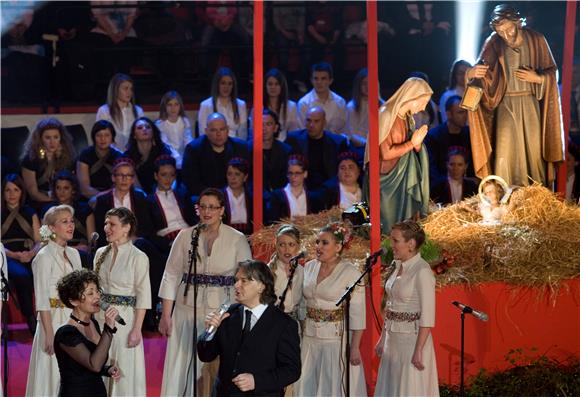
(46, 234)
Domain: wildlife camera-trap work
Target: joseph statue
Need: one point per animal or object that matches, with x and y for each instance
(516, 132)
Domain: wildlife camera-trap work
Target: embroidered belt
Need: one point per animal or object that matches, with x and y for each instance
(322, 315)
(209, 279)
(28, 243)
(56, 303)
(402, 317)
(119, 300)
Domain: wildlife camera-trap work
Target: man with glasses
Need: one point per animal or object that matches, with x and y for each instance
(205, 158)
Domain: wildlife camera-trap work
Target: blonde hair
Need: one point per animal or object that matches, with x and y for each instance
(50, 216)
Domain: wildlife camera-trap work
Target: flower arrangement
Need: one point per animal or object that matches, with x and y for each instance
(342, 233)
(46, 234)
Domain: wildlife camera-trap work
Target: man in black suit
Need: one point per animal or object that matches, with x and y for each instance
(257, 343)
(319, 147)
(456, 186)
(205, 159)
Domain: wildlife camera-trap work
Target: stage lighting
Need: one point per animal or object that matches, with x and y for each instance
(469, 21)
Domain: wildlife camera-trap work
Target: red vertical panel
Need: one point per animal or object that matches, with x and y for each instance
(567, 65)
(258, 105)
(372, 333)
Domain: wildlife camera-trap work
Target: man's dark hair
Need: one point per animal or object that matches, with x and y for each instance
(259, 271)
(452, 100)
(505, 12)
(322, 67)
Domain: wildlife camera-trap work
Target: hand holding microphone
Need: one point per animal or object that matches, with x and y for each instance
(213, 321)
(105, 307)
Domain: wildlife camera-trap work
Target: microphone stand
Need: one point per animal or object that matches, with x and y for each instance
(293, 266)
(193, 255)
(370, 261)
(5, 293)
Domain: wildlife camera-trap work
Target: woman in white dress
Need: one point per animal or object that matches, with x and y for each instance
(124, 273)
(224, 99)
(220, 248)
(52, 262)
(324, 337)
(408, 366)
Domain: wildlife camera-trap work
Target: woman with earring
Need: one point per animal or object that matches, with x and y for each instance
(324, 338)
(408, 366)
(81, 349)
(219, 250)
(52, 262)
(124, 273)
(404, 166)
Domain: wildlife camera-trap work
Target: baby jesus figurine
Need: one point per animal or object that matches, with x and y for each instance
(493, 193)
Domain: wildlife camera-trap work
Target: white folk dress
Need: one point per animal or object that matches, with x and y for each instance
(48, 267)
(323, 355)
(411, 292)
(128, 276)
(294, 294)
(229, 248)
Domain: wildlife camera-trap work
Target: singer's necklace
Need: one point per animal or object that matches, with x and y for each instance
(79, 321)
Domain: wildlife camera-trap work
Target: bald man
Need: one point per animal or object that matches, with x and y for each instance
(319, 147)
(205, 159)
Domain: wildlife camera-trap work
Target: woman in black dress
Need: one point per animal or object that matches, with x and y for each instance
(80, 348)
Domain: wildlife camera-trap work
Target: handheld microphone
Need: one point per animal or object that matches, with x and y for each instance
(94, 237)
(466, 309)
(300, 255)
(377, 253)
(211, 330)
(118, 318)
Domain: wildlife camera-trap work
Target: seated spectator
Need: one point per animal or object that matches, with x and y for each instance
(456, 85)
(323, 24)
(65, 190)
(294, 199)
(344, 190)
(47, 151)
(96, 162)
(205, 159)
(334, 106)
(114, 36)
(144, 146)
(224, 99)
(430, 115)
(223, 30)
(120, 108)
(171, 208)
(456, 186)
(174, 125)
(289, 30)
(276, 99)
(573, 173)
(357, 113)
(21, 239)
(238, 198)
(453, 133)
(275, 153)
(318, 146)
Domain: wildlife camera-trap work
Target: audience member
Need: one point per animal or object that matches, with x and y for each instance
(238, 198)
(120, 108)
(573, 173)
(456, 85)
(21, 239)
(276, 99)
(357, 113)
(323, 25)
(95, 163)
(456, 186)
(144, 146)
(223, 30)
(344, 189)
(334, 106)
(205, 159)
(65, 191)
(171, 208)
(289, 28)
(453, 133)
(294, 199)
(174, 125)
(48, 150)
(275, 153)
(224, 99)
(319, 147)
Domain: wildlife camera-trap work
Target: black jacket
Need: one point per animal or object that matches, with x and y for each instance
(441, 193)
(270, 352)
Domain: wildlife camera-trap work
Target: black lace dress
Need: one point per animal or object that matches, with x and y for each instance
(81, 362)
